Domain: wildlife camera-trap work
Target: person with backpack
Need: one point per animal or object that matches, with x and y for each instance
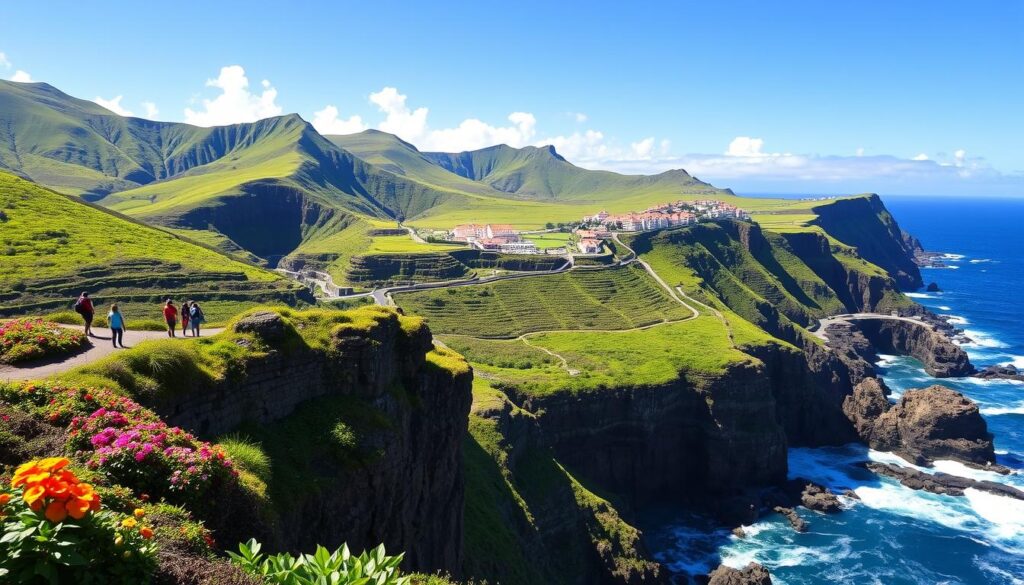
(185, 308)
(171, 317)
(83, 306)
(195, 318)
(116, 321)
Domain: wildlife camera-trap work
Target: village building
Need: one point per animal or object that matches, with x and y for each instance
(680, 213)
(589, 246)
(468, 232)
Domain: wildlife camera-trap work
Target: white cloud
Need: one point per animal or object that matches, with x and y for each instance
(470, 134)
(408, 124)
(860, 151)
(643, 149)
(920, 157)
(4, 61)
(745, 146)
(151, 111)
(236, 103)
(580, 117)
(326, 121)
(114, 105)
(21, 77)
(959, 157)
(579, 147)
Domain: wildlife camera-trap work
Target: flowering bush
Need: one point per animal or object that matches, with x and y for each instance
(28, 339)
(340, 567)
(115, 435)
(57, 531)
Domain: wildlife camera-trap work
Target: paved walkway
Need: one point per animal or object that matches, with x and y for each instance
(100, 347)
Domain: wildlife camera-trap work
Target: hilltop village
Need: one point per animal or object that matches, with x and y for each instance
(588, 235)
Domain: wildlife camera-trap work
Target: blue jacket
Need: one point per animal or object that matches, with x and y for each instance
(116, 320)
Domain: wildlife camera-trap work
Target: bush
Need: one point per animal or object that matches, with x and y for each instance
(337, 568)
(54, 530)
(28, 339)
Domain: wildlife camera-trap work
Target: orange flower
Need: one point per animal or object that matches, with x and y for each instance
(33, 494)
(146, 532)
(4, 498)
(77, 508)
(56, 512)
(139, 513)
(53, 463)
(129, 522)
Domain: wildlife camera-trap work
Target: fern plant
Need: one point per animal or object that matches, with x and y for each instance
(323, 567)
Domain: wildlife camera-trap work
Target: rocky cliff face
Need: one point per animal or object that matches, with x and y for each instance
(925, 425)
(396, 475)
(940, 356)
(865, 224)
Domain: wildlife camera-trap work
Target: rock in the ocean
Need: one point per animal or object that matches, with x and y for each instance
(1005, 372)
(820, 499)
(865, 405)
(933, 287)
(934, 423)
(752, 574)
(795, 520)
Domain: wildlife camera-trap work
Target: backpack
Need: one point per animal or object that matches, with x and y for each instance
(78, 306)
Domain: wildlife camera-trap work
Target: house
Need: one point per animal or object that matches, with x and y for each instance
(495, 230)
(488, 243)
(589, 246)
(599, 217)
(468, 232)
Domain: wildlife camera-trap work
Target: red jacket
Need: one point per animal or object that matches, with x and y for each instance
(170, 313)
(86, 306)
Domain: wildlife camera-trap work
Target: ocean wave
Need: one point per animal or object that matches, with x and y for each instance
(1005, 514)
(886, 360)
(982, 339)
(981, 260)
(1017, 361)
(999, 410)
(954, 257)
(956, 319)
(944, 308)
(915, 295)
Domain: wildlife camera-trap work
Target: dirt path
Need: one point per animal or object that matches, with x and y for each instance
(100, 347)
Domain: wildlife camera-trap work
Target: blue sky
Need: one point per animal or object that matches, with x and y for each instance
(795, 97)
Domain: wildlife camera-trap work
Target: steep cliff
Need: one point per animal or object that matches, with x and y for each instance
(361, 418)
(865, 224)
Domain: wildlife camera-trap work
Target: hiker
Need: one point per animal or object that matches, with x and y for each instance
(116, 322)
(83, 306)
(195, 318)
(171, 316)
(185, 308)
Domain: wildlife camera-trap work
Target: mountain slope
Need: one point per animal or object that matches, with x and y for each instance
(55, 246)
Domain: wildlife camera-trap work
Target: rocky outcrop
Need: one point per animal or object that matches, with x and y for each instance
(1004, 372)
(698, 435)
(933, 287)
(865, 224)
(934, 423)
(865, 405)
(940, 356)
(792, 517)
(820, 499)
(407, 421)
(942, 483)
(752, 574)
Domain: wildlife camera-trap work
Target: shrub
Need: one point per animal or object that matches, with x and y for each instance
(28, 339)
(337, 568)
(55, 530)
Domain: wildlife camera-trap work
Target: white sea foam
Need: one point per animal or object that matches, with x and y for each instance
(954, 257)
(886, 359)
(998, 410)
(981, 260)
(1017, 362)
(956, 319)
(1003, 575)
(896, 499)
(957, 468)
(915, 295)
(982, 339)
(944, 308)
(1005, 514)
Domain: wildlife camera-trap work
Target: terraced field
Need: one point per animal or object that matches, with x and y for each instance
(613, 299)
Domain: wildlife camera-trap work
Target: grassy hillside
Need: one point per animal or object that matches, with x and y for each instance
(53, 246)
(617, 298)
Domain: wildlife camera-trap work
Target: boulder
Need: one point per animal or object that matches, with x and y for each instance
(752, 574)
(267, 325)
(794, 519)
(820, 499)
(934, 423)
(867, 403)
(1004, 372)
(933, 287)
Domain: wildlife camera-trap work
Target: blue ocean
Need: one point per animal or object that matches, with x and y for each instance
(894, 534)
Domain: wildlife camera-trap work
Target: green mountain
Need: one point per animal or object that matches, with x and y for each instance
(54, 246)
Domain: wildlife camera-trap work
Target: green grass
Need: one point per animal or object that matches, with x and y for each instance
(52, 247)
(617, 298)
(550, 239)
(503, 353)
